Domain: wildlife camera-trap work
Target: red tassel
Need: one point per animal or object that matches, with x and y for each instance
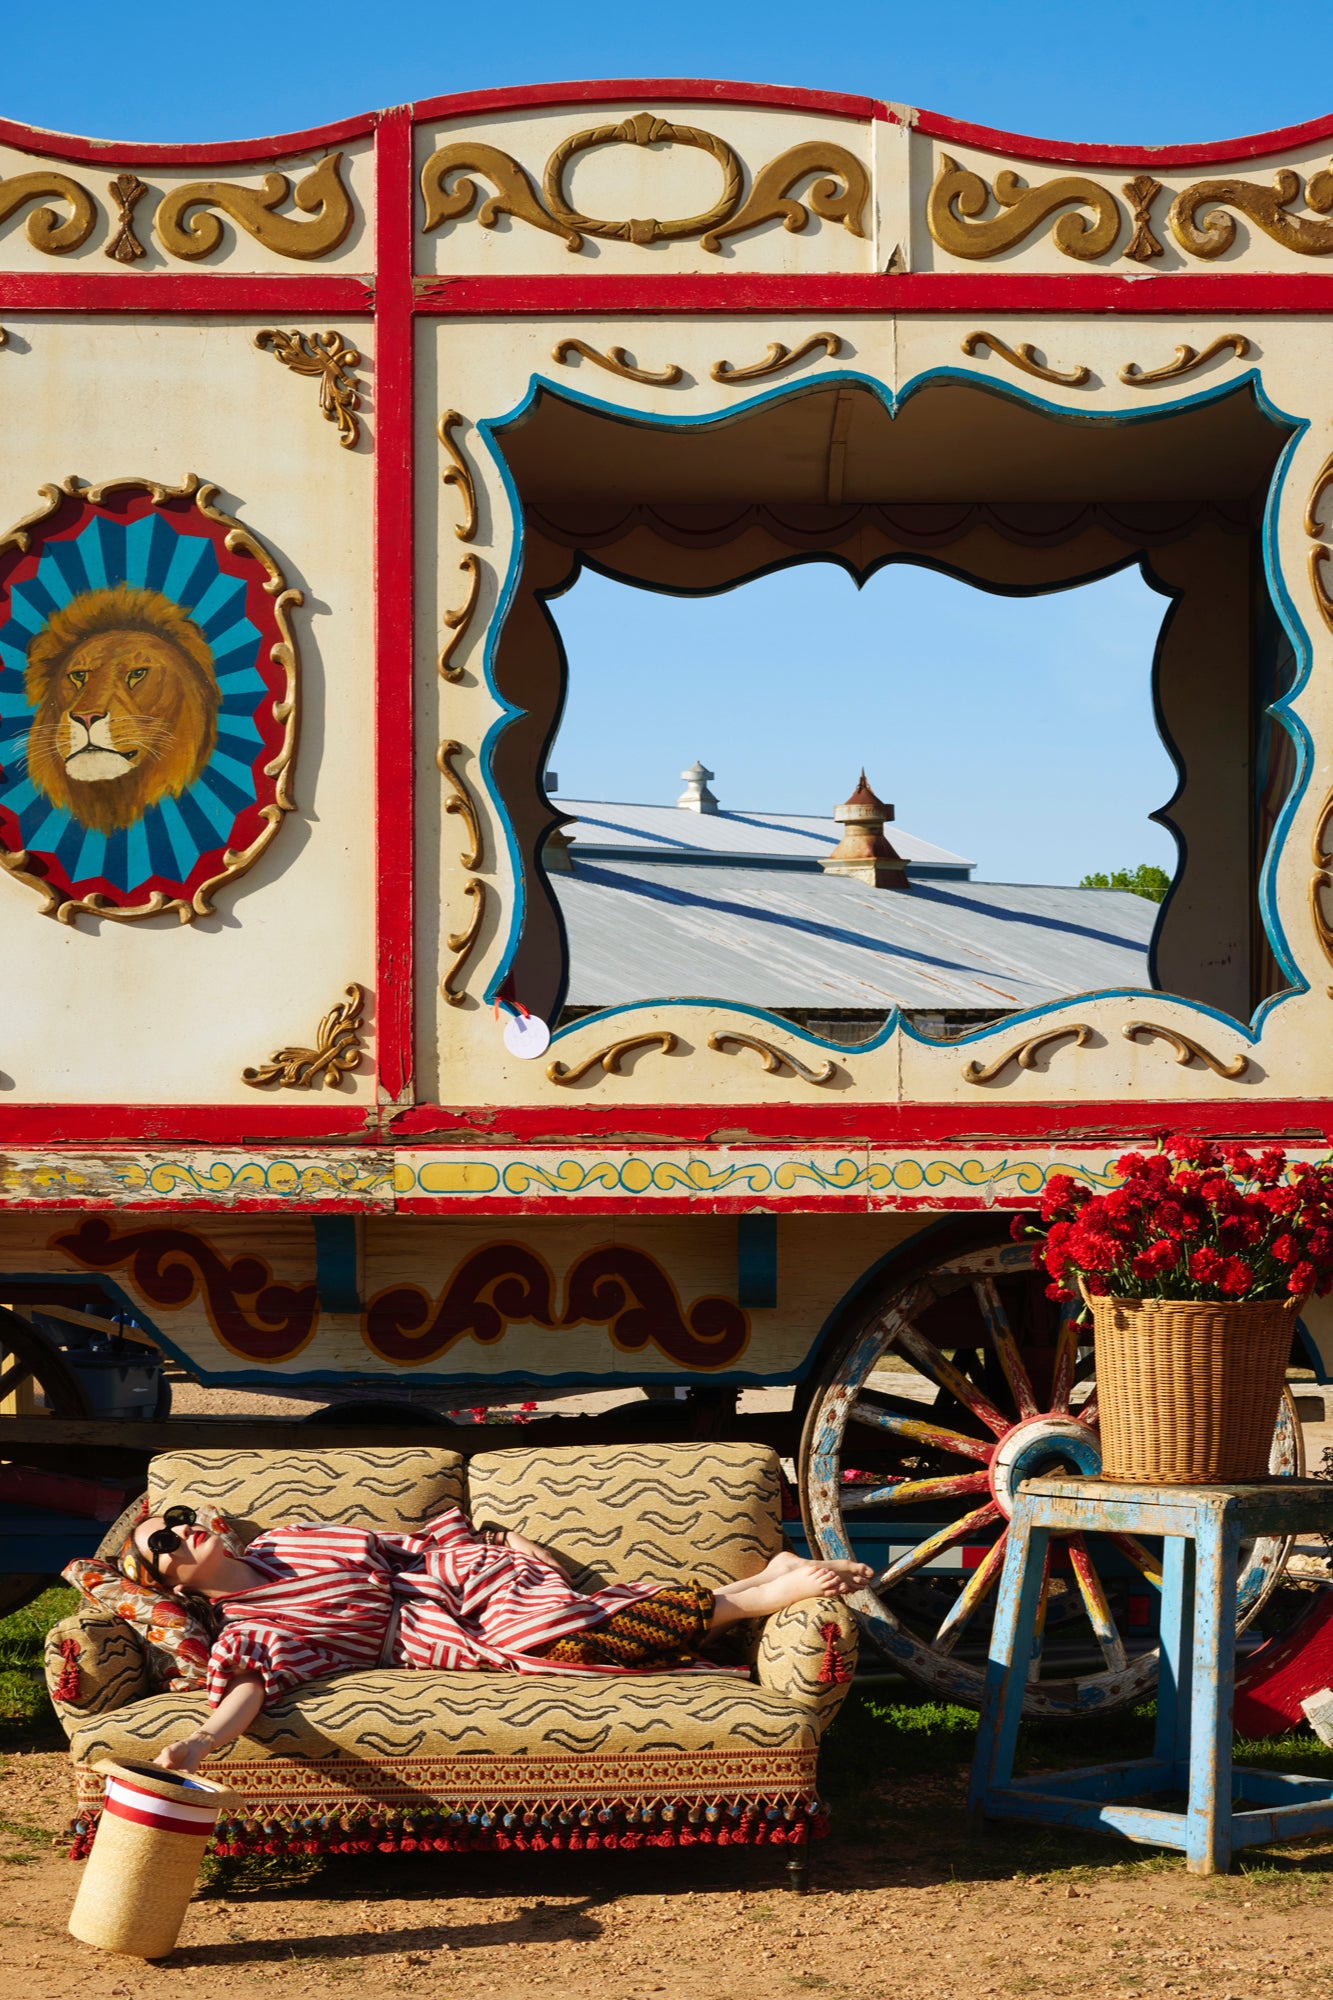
(833, 1669)
(69, 1683)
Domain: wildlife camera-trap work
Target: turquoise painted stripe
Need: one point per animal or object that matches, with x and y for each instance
(138, 860)
(241, 727)
(230, 767)
(183, 845)
(220, 817)
(15, 657)
(242, 680)
(92, 856)
(13, 702)
(240, 636)
(52, 578)
(139, 538)
(18, 797)
(191, 551)
(218, 597)
(25, 614)
(92, 554)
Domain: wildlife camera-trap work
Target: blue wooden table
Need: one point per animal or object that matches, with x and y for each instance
(1204, 1527)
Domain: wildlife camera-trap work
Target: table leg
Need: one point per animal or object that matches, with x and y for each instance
(1208, 1823)
(1175, 1673)
(1011, 1641)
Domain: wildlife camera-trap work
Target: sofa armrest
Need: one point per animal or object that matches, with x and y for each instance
(93, 1662)
(808, 1652)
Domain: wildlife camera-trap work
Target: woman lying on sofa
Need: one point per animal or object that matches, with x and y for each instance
(307, 1600)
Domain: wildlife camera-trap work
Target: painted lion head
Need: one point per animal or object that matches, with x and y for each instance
(126, 700)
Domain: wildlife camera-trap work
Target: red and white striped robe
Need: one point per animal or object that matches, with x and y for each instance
(336, 1599)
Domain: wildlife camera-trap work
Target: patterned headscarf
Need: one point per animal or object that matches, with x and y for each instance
(133, 1564)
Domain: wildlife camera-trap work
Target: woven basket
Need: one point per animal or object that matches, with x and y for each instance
(1188, 1392)
(145, 1858)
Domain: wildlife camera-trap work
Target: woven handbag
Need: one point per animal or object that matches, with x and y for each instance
(1187, 1391)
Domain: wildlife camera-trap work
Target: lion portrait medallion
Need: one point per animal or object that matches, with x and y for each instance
(126, 700)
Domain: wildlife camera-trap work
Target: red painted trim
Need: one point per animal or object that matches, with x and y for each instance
(267, 1122)
(181, 292)
(880, 292)
(113, 154)
(655, 90)
(736, 1128)
(395, 218)
(1212, 152)
(725, 1129)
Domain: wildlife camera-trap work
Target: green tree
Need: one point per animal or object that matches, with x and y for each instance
(1145, 880)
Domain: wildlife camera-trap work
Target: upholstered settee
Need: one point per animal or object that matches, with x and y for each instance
(396, 1760)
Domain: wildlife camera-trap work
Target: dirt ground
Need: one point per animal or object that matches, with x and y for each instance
(919, 1909)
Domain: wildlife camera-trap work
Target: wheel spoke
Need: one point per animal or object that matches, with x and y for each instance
(1142, 1559)
(17, 1372)
(1006, 1347)
(1095, 1604)
(978, 1586)
(1088, 1414)
(854, 1499)
(943, 1538)
(921, 1431)
(926, 1355)
(1066, 1360)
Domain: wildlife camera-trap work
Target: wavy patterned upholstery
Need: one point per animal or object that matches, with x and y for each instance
(394, 1759)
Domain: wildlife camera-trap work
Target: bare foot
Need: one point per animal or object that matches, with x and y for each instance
(856, 1574)
(760, 1596)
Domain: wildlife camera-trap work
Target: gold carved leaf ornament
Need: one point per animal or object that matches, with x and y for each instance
(839, 194)
(1024, 358)
(1025, 1053)
(330, 359)
(461, 801)
(45, 229)
(1186, 1049)
(1322, 879)
(616, 361)
(319, 195)
(337, 1050)
(960, 197)
(778, 358)
(461, 943)
(1265, 207)
(1186, 360)
(609, 1059)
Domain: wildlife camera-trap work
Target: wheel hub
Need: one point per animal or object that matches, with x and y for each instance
(1042, 1446)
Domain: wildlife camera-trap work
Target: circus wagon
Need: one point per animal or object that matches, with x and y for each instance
(352, 1075)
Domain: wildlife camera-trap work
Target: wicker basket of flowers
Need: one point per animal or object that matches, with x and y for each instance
(1193, 1269)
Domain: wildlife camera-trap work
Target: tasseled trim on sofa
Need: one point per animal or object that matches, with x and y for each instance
(69, 1682)
(833, 1669)
(575, 1829)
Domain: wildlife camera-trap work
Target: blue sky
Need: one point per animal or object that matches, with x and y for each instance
(1018, 731)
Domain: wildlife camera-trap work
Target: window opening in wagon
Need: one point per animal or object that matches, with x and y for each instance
(966, 496)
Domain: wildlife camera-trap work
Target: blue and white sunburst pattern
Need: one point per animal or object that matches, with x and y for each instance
(168, 842)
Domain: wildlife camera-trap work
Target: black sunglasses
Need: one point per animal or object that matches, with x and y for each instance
(164, 1541)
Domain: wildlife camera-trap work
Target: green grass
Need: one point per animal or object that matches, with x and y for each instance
(27, 1719)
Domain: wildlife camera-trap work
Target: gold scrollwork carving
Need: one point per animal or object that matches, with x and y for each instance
(611, 1058)
(959, 196)
(320, 195)
(1265, 207)
(1187, 1049)
(238, 540)
(459, 474)
(1322, 879)
(642, 129)
(459, 620)
(1315, 528)
(124, 247)
(839, 194)
(1025, 1053)
(778, 357)
(461, 802)
(1024, 357)
(461, 943)
(327, 356)
(617, 362)
(337, 1050)
(1186, 360)
(1141, 193)
(45, 229)
(773, 1057)
(516, 194)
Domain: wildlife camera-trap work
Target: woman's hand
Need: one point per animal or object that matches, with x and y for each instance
(523, 1547)
(187, 1755)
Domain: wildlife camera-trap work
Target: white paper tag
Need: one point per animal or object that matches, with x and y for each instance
(527, 1036)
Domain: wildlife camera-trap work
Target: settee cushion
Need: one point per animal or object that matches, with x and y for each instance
(395, 1487)
(638, 1513)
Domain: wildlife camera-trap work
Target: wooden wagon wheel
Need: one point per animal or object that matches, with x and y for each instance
(960, 1380)
(34, 1378)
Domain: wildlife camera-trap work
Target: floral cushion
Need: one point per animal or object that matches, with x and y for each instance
(175, 1640)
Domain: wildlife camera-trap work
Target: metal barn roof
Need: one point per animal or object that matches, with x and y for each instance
(783, 938)
(778, 840)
